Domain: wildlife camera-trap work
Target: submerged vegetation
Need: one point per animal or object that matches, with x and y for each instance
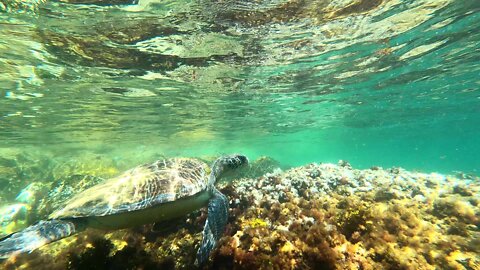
(319, 216)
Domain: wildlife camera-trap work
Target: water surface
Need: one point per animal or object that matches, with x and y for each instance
(386, 83)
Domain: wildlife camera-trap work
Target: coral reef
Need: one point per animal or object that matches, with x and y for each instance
(319, 216)
(334, 217)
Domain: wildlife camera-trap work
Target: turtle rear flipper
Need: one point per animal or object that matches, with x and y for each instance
(214, 226)
(36, 236)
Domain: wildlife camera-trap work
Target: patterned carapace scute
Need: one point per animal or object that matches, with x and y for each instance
(139, 188)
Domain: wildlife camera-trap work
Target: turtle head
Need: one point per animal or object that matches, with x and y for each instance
(232, 162)
(226, 164)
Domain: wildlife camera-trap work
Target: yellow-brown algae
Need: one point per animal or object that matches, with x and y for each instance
(319, 215)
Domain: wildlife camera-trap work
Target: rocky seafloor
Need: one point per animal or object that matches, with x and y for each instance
(318, 216)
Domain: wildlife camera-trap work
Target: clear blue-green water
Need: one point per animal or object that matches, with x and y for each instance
(91, 88)
(377, 83)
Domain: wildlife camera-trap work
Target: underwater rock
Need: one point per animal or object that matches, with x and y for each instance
(261, 166)
(18, 215)
(19, 170)
(318, 216)
(373, 221)
(51, 183)
(13, 218)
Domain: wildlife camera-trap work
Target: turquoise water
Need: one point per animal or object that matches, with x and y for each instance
(91, 88)
(377, 83)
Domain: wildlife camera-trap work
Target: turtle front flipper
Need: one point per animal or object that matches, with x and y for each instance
(36, 236)
(214, 226)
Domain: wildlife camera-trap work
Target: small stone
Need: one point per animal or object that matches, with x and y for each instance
(462, 190)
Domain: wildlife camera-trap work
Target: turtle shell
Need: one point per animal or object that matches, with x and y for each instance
(139, 188)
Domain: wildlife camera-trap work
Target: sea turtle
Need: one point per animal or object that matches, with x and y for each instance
(163, 190)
